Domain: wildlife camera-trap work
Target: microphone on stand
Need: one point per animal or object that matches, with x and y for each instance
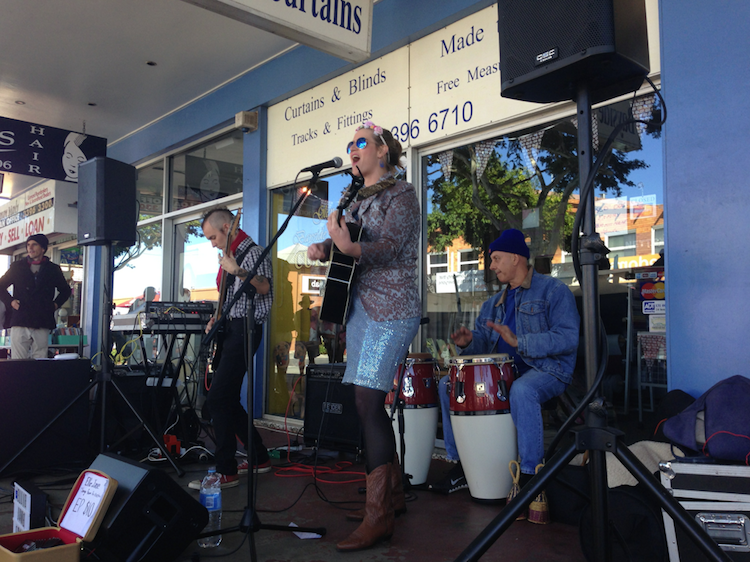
(317, 168)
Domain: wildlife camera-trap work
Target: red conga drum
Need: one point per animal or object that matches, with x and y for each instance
(419, 393)
(480, 387)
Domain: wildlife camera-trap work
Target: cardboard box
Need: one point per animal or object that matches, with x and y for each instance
(718, 497)
(79, 521)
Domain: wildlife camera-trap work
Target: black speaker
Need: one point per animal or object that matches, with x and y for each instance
(151, 518)
(33, 393)
(549, 47)
(106, 203)
(331, 420)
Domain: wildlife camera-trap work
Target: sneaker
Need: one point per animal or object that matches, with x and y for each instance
(260, 469)
(227, 481)
(454, 481)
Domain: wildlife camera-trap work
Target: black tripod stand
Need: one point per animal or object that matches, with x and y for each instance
(250, 523)
(104, 378)
(595, 436)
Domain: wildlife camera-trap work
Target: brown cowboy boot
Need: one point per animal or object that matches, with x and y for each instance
(378, 521)
(398, 499)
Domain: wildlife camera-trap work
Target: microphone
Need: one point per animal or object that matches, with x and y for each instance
(335, 163)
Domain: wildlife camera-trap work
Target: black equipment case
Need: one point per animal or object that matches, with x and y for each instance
(718, 497)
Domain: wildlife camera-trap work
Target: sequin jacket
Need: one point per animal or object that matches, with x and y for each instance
(387, 269)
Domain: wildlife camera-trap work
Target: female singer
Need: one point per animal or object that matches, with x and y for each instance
(383, 316)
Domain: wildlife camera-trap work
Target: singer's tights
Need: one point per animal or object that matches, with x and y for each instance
(380, 443)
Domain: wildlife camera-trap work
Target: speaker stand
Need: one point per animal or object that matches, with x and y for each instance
(594, 436)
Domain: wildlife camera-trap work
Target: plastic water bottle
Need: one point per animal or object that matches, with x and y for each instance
(211, 500)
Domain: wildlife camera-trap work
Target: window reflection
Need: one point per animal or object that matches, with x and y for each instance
(149, 190)
(297, 337)
(137, 279)
(529, 180)
(207, 173)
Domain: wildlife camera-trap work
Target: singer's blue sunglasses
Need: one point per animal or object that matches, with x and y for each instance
(361, 143)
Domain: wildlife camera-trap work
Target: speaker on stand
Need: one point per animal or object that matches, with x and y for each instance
(106, 203)
(548, 47)
(587, 51)
(107, 216)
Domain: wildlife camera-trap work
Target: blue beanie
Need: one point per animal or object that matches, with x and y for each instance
(511, 241)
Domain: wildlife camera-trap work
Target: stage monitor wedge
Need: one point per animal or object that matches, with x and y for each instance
(548, 48)
(107, 211)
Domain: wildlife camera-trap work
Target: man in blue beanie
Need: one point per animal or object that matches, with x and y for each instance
(535, 321)
(39, 289)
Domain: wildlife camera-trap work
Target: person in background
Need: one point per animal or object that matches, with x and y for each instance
(535, 321)
(39, 289)
(383, 317)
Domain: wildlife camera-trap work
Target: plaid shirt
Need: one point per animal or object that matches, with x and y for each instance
(262, 302)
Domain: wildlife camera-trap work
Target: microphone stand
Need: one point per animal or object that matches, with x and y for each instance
(250, 523)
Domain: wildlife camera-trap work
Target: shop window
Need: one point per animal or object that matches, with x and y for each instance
(621, 245)
(528, 179)
(149, 188)
(138, 269)
(657, 234)
(437, 263)
(71, 263)
(209, 172)
(297, 337)
(468, 260)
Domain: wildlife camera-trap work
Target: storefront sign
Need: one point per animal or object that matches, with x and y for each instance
(437, 87)
(654, 307)
(341, 28)
(45, 152)
(455, 81)
(45, 209)
(471, 281)
(317, 125)
(611, 215)
(311, 284)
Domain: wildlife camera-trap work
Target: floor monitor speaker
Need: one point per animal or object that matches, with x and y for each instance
(548, 48)
(106, 203)
(331, 420)
(150, 519)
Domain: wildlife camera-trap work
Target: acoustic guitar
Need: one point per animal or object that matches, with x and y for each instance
(342, 269)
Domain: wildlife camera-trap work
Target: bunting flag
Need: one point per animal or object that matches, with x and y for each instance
(642, 108)
(483, 151)
(446, 161)
(531, 144)
(594, 130)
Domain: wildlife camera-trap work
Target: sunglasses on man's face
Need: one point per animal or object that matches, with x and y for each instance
(361, 142)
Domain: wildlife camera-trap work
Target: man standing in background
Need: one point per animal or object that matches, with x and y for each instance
(39, 289)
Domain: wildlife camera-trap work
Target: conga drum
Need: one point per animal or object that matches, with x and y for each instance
(419, 393)
(480, 387)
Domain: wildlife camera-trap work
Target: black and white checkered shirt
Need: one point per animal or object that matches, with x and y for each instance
(262, 302)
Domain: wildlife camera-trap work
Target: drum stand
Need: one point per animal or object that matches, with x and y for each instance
(594, 436)
(398, 404)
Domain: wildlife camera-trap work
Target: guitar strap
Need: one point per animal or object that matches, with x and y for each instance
(239, 258)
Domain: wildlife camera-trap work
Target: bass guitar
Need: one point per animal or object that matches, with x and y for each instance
(342, 269)
(219, 339)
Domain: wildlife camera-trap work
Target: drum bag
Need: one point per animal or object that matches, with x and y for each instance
(636, 527)
(725, 411)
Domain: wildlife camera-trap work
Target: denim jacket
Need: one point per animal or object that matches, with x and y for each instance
(547, 325)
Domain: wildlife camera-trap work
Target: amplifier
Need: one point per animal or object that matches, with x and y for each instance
(331, 420)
